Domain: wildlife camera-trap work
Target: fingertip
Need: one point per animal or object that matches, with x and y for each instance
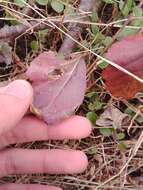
(75, 127)
(84, 125)
(77, 162)
(53, 188)
(81, 162)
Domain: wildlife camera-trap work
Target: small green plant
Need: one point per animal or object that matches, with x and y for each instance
(42, 2)
(92, 117)
(20, 3)
(106, 132)
(34, 45)
(57, 6)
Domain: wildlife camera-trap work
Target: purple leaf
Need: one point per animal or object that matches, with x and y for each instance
(59, 85)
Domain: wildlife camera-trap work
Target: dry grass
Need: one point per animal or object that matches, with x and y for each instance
(110, 167)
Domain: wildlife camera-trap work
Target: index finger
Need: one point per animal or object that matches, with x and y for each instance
(32, 129)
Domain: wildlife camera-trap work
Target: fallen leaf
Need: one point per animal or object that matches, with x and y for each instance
(112, 117)
(5, 53)
(59, 85)
(127, 53)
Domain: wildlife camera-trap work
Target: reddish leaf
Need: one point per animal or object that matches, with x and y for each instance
(127, 53)
(59, 85)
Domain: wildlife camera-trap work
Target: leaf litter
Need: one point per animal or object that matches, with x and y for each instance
(112, 117)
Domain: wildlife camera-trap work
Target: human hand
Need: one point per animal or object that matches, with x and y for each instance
(14, 128)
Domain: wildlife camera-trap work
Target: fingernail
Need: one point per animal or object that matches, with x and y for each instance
(19, 88)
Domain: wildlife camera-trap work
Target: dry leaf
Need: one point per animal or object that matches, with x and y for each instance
(59, 85)
(5, 53)
(127, 53)
(112, 117)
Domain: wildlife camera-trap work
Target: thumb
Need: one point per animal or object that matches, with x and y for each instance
(14, 102)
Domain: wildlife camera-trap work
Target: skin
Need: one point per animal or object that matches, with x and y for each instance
(17, 128)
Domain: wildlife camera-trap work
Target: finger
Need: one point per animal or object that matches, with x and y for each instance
(27, 187)
(19, 161)
(32, 129)
(14, 102)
